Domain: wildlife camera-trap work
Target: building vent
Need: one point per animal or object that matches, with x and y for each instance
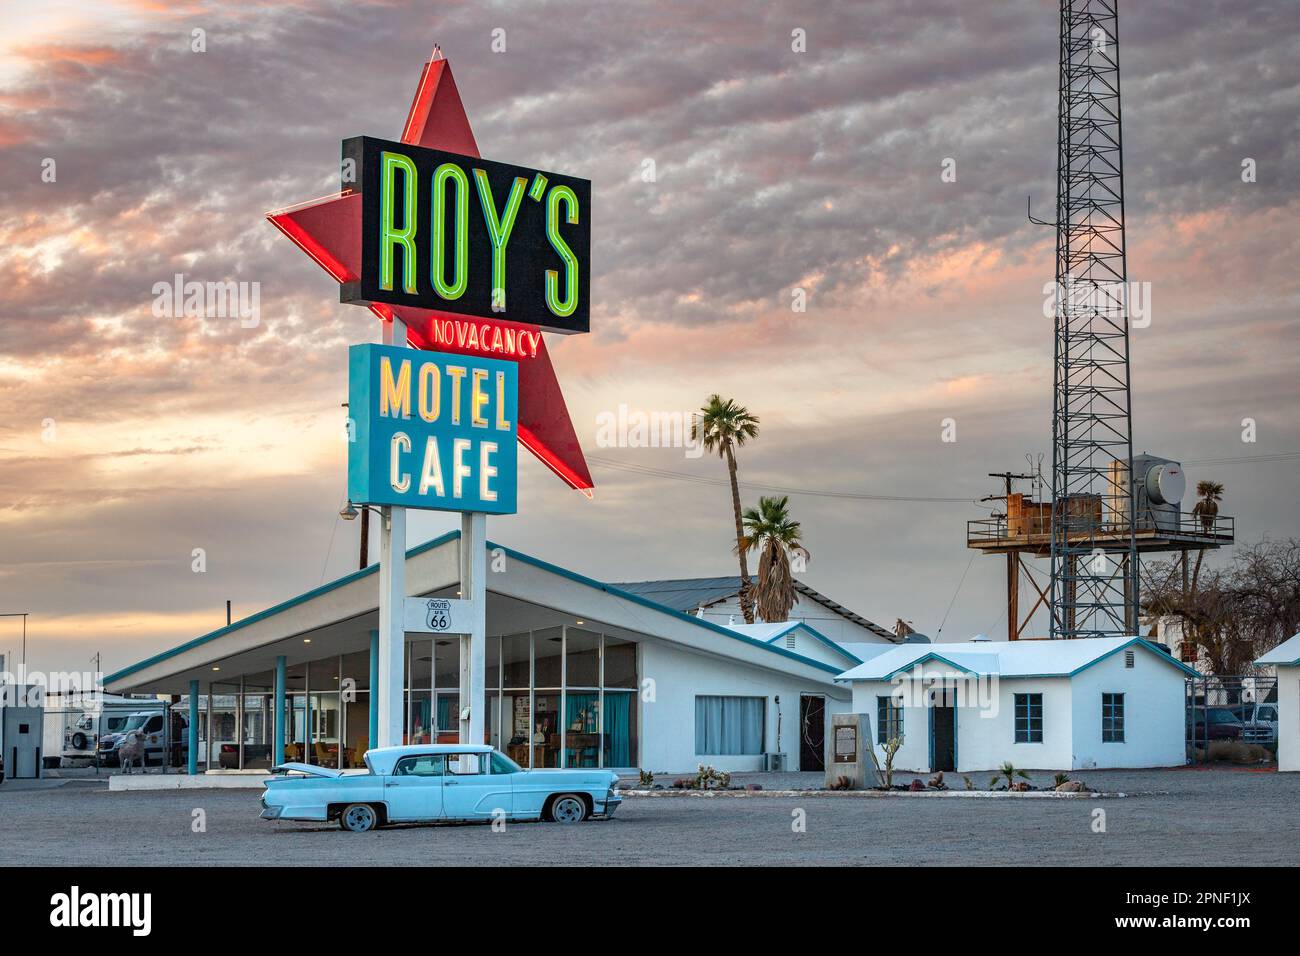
(1128, 658)
(789, 640)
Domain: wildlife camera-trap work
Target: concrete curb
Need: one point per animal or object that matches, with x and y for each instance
(179, 781)
(889, 794)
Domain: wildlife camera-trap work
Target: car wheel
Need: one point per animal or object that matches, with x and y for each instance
(358, 818)
(78, 741)
(568, 808)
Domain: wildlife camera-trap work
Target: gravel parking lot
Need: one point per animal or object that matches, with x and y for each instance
(1208, 817)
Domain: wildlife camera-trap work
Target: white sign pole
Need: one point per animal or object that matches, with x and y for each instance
(392, 601)
(473, 645)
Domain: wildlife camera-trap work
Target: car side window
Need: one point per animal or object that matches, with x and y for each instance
(501, 765)
(1267, 713)
(425, 765)
(461, 765)
(154, 725)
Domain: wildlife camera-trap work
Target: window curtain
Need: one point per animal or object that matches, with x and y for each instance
(448, 718)
(729, 725)
(618, 730)
(419, 719)
(581, 709)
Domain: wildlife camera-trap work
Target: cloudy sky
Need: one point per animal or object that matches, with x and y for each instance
(127, 441)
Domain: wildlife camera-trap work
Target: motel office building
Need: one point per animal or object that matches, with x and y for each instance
(579, 673)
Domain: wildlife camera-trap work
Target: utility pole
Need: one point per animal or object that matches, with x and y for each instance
(23, 614)
(1013, 557)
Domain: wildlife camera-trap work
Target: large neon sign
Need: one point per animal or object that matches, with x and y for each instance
(470, 236)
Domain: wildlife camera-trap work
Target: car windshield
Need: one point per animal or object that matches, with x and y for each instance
(135, 722)
(1221, 715)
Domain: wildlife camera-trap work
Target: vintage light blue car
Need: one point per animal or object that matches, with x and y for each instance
(436, 783)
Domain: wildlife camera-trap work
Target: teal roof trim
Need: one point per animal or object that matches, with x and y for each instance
(800, 625)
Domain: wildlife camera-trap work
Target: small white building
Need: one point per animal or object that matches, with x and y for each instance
(1050, 705)
(1286, 658)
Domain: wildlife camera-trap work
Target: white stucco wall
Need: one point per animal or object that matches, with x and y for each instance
(1288, 718)
(668, 723)
(985, 723)
(1155, 723)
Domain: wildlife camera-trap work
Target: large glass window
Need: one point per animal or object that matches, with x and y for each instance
(1029, 718)
(620, 663)
(223, 742)
(446, 656)
(581, 658)
(729, 725)
(419, 691)
(257, 718)
(356, 707)
(548, 677)
(620, 728)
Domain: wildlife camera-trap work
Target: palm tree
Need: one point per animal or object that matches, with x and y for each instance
(770, 531)
(1211, 493)
(1207, 508)
(724, 426)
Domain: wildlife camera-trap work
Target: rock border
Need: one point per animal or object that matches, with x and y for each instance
(890, 794)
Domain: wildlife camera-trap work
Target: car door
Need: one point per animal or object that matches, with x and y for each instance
(471, 791)
(413, 791)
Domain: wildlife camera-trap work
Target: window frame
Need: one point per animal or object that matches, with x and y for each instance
(892, 716)
(1026, 734)
(762, 727)
(1112, 717)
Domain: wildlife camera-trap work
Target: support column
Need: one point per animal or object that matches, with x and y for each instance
(473, 646)
(374, 691)
(192, 762)
(1013, 595)
(277, 719)
(392, 597)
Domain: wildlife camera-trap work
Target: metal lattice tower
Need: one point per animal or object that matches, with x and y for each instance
(1094, 585)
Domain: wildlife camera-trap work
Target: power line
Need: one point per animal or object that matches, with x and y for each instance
(1238, 459)
(652, 472)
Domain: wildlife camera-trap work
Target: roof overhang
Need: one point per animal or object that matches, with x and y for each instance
(528, 593)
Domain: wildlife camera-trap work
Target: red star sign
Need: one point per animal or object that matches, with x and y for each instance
(329, 230)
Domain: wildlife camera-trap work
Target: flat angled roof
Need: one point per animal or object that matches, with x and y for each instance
(427, 546)
(1059, 658)
(1287, 653)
